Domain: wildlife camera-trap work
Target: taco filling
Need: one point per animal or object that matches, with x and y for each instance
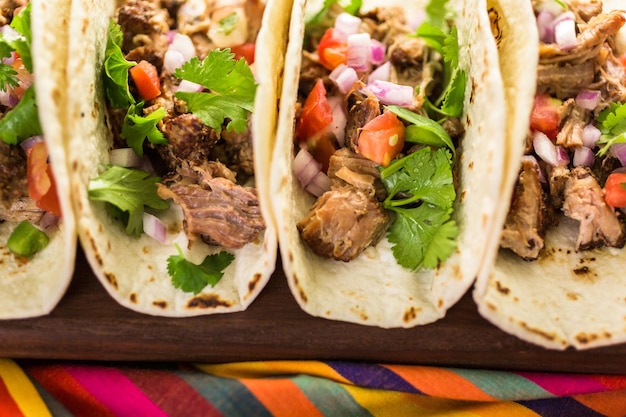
(28, 194)
(378, 118)
(576, 146)
(180, 90)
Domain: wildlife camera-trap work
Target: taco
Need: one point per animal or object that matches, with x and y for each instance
(163, 154)
(366, 109)
(557, 279)
(37, 233)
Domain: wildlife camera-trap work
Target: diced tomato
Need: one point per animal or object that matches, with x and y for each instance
(245, 51)
(382, 138)
(622, 59)
(614, 190)
(25, 78)
(332, 52)
(146, 78)
(322, 146)
(545, 115)
(41, 184)
(316, 113)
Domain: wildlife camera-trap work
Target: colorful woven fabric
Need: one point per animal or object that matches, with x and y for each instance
(298, 388)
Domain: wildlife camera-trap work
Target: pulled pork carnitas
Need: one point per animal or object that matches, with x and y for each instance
(574, 158)
(204, 168)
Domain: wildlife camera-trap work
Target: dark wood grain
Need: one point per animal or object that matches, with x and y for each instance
(89, 325)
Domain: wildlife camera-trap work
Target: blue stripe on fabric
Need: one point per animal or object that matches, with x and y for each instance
(372, 376)
(330, 397)
(559, 407)
(503, 385)
(229, 396)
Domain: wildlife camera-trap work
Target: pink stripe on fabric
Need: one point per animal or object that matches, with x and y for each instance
(565, 385)
(115, 391)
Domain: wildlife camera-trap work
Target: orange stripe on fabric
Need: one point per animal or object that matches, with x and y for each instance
(8, 406)
(281, 397)
(441, 383)
(273, 368)
(612, 403)
(58, 382)
(612, 382)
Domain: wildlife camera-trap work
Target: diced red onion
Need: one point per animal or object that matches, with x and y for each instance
(8, 99)
(583, 157)
(172, 60)
(381, 73)
(565, 34)
(550, 5)
(590, 136)
(619, 150)
(26, 144)
(170, 35)
(344, 77)
(533, 160)
(124, 157)
(184, 45)
(588, 99)
(319, 184)
(48, 220)
(9, 33)
(338, 125)
(545, 26)
(305, 167)
(547, 151)
(154, 227)
(189, 87)
(346, 25)
(10, 59)
(378, 51)
(359, 51)
(391, 93)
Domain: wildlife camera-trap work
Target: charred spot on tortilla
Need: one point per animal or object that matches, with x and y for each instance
(502, 289)
(111, 278)
(585, 338)
(470, 166)
(411, 314)
(207, 301)
(254, 281)
(572, 296)
(492, 307)
(539, 332)
(494, 17)
(440, 303)
(301, 292)
(145, 250)
(133, 298)
(160, 303)
(85, 25)
(57, 96)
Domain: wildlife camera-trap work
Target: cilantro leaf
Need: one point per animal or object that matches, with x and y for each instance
(349, 6)
(116, 70)
(138, 127)
(22, 121)
(232, 88)
(422, 129)
(129, 190)
(8, 76)
(21, 24)
(190, 277)
(421, 192)
(612, 125)
(438, 13)
(422, 236)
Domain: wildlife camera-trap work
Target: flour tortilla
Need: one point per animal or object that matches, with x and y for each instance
(566, 298)
(33, 287)
(373, 289)
(133, 271)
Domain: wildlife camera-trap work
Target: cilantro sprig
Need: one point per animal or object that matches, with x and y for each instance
(423, 130)
(421, 192)
(349, 6)
(231, 88)
(116, 70)
(22, 121)
(612, 125)
(137, 127)
(129, 191)
(191, 277)
(443, 38)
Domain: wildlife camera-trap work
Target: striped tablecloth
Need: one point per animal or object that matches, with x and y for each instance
(298, 388)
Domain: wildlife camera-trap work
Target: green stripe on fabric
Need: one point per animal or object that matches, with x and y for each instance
(503, 385)
(229, 396)
(329, 397)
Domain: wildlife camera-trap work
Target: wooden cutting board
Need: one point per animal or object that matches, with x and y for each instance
(89, 325)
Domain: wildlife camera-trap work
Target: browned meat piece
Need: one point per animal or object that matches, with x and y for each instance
(406, 55)
(610, 77)
(235, 151)
(590, 39)
(603, 167)
(454, 127)
(310, 72)
(585, 9)
(385, 24)
(215, 209)
(584, 201)
(564, 80)
(147, 53)
(189, 140)
(357, 171)
(558, 177)
(525, 226)
(23, 208)
(7, 7)
(361, 109)
(571, 133)
(143, 23)
(12, 174)
(342, 223)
